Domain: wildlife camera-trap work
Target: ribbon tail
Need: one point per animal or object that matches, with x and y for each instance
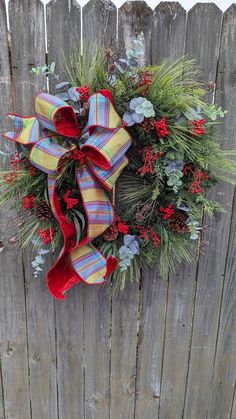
(91, 266)
(62, 275)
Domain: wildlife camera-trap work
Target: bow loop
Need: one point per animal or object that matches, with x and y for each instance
(55, 115)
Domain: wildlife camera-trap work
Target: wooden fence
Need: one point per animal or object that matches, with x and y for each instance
(160, 349)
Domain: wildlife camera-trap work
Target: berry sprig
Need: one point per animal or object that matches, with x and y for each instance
(46, 235)
(167, 211)
(70, 202)
(196, 127)
(161, 128)
(28, 201)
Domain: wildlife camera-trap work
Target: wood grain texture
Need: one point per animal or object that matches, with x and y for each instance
(203, 37)
(150, 344)
(233, 413)
(28, 49)
(63, 32)
(99, 25)
(70, 354)
(123, 352)
(97, 351)
(135, 17)
(224, 373)
(168, 20)
(13, 331)
(182, 286)
(168, 33)
(97, 15)
(212, 263)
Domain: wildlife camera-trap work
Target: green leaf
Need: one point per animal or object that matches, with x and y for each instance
(78, 229)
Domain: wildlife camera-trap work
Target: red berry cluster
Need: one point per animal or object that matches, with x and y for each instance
(196, 127)
(148, 234)
(70, 202)
(28, 201)
(167, 211)
(149, 156)
(122, 228)
(46, 235)
(84, 93)
(10, 177)
(161, 127)
(145, 81)
(32, 171)
(78, 155)
(117, 227)
(198, 176)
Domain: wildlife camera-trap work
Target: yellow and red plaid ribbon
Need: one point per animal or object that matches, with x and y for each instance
(105, 142)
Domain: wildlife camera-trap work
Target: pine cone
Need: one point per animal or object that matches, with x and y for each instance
(43, 211)
(148, 125)
(111, 233)
(178, 223)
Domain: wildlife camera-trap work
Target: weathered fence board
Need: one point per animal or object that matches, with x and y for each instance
(135, 17)
(13, 333)
(211, 264)
(170, 43)
(168, 32)
(99, 26)
(223, 385)
(150, 344)
(64, 20)
(159, 349)
(28, 50)
(62, 16)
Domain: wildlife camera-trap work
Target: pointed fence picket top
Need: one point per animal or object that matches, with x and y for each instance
(99, 26)
(168, 33)
(63, 19)
(159, 349)
(135, 17)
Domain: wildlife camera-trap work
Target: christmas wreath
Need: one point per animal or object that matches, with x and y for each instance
(114, 169)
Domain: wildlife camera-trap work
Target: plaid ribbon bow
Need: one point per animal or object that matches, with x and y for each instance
(104, 142)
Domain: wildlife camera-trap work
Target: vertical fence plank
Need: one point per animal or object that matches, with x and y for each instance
(154, 289)
(64, 34)
(97, 351)
(99, 25)
(168, 34)
(223, 385)
(211, 265)
(123, 352)
(13, 336)
(233, 414)
(70, 368)
(135, 17)
(99, 30)
(150, 344)
(28, 50)
(182, 286)
(14, 384)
